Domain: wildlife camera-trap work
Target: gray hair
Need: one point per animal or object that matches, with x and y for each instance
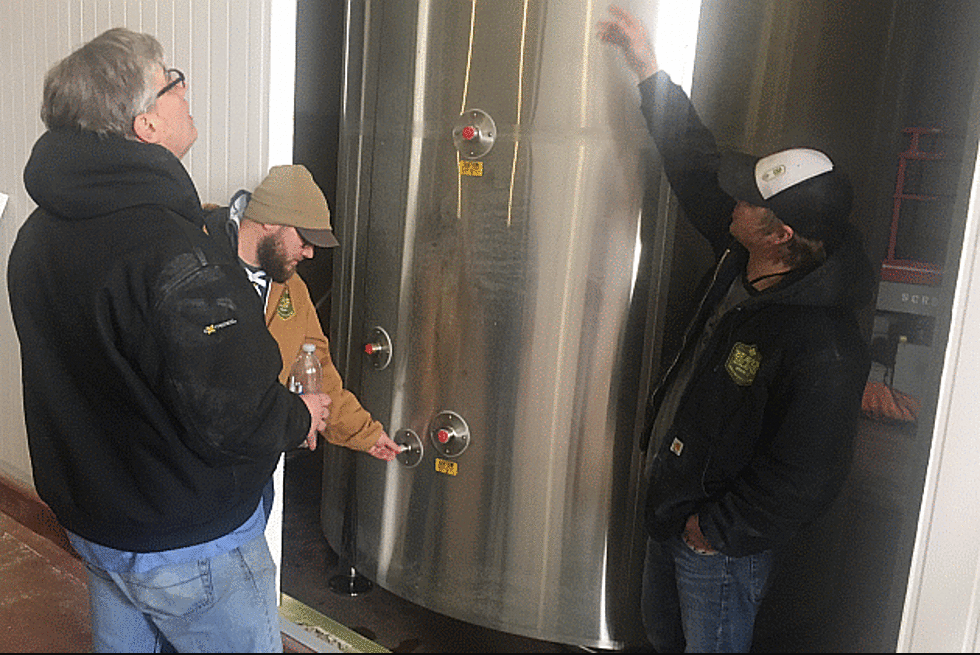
(103, 85)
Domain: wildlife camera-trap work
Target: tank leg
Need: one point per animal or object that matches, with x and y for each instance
(352, 584)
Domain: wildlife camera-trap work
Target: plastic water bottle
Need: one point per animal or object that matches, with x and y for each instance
(306, 374)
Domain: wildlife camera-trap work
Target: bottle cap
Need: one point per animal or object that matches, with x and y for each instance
(309, 347)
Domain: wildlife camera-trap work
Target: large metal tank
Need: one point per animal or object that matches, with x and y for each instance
(492, 205)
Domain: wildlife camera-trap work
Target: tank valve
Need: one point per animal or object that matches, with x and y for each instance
(474, 133)
(378, 348)
(449, 434)
(411, 453)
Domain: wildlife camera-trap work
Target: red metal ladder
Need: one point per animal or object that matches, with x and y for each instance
(910, 271)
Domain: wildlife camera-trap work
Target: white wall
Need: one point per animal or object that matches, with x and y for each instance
(942, 608)
(239, 59)
(226, 49)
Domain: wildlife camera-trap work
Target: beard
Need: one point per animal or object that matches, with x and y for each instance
(273, 261)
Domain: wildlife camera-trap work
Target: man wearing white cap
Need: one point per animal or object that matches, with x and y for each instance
(751, 428)
(273, 229)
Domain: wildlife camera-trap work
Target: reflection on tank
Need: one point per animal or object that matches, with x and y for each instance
(504, 272)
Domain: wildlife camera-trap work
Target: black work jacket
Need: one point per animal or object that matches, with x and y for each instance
(152, 399)
(762, 437)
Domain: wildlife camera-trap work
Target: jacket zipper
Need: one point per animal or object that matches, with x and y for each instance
(685, 340)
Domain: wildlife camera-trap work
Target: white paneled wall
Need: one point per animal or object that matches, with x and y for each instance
(233, 53)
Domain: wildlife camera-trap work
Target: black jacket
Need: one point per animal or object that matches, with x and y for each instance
(762, 438)
(151, 395)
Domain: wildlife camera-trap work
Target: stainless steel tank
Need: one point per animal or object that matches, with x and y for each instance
(494, 308)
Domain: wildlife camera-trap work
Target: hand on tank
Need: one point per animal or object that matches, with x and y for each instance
(318, 404)
(384, 448)
(629, 33)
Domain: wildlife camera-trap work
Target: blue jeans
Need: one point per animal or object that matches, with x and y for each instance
(701, 603)
(223, 604)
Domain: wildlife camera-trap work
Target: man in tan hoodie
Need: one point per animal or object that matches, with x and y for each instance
(273, 229)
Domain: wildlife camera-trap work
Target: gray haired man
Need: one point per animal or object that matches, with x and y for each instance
(154, 411)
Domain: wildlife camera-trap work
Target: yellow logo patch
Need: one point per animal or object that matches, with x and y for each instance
(214, 327)
(743, 364)
(285, 309)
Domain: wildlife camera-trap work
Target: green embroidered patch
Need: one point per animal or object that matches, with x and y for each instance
(285, 309)
(743, 364)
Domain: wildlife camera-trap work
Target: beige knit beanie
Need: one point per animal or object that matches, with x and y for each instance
(289, 196)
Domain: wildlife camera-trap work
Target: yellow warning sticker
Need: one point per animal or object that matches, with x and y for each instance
(447, 467)
(471, 168)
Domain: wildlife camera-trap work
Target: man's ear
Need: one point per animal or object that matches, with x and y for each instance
(146, 128)
(783, 234)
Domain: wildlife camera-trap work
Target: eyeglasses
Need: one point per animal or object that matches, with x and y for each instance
(174, 78)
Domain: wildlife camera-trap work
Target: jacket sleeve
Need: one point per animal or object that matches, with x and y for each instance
(690, 157)
(220, 366)
(793, 478)
(349, 424)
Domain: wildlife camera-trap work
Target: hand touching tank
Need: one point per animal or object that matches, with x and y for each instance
(627, 32)
(385, 448)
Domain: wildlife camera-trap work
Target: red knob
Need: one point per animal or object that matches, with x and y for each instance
(443, 435)
(469, 132)
(375, 348)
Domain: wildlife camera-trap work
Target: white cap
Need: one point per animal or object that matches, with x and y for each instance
(781, 170)
(801, 185)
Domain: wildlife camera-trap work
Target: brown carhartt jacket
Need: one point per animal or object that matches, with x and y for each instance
(292, 319)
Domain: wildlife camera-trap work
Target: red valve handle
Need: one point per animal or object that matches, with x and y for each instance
(375, 348)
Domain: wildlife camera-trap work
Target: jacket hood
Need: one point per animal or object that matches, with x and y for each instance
(76, 174)
(845, 279)
(226, 221)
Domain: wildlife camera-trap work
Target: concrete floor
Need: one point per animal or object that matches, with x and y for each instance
(43, 595)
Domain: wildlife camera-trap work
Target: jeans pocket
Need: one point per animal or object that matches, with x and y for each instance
(174, 591)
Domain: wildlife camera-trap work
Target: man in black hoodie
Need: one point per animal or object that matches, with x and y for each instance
(752, 426)
(154, 412)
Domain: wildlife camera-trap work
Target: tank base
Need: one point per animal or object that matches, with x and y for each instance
(352, 584)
